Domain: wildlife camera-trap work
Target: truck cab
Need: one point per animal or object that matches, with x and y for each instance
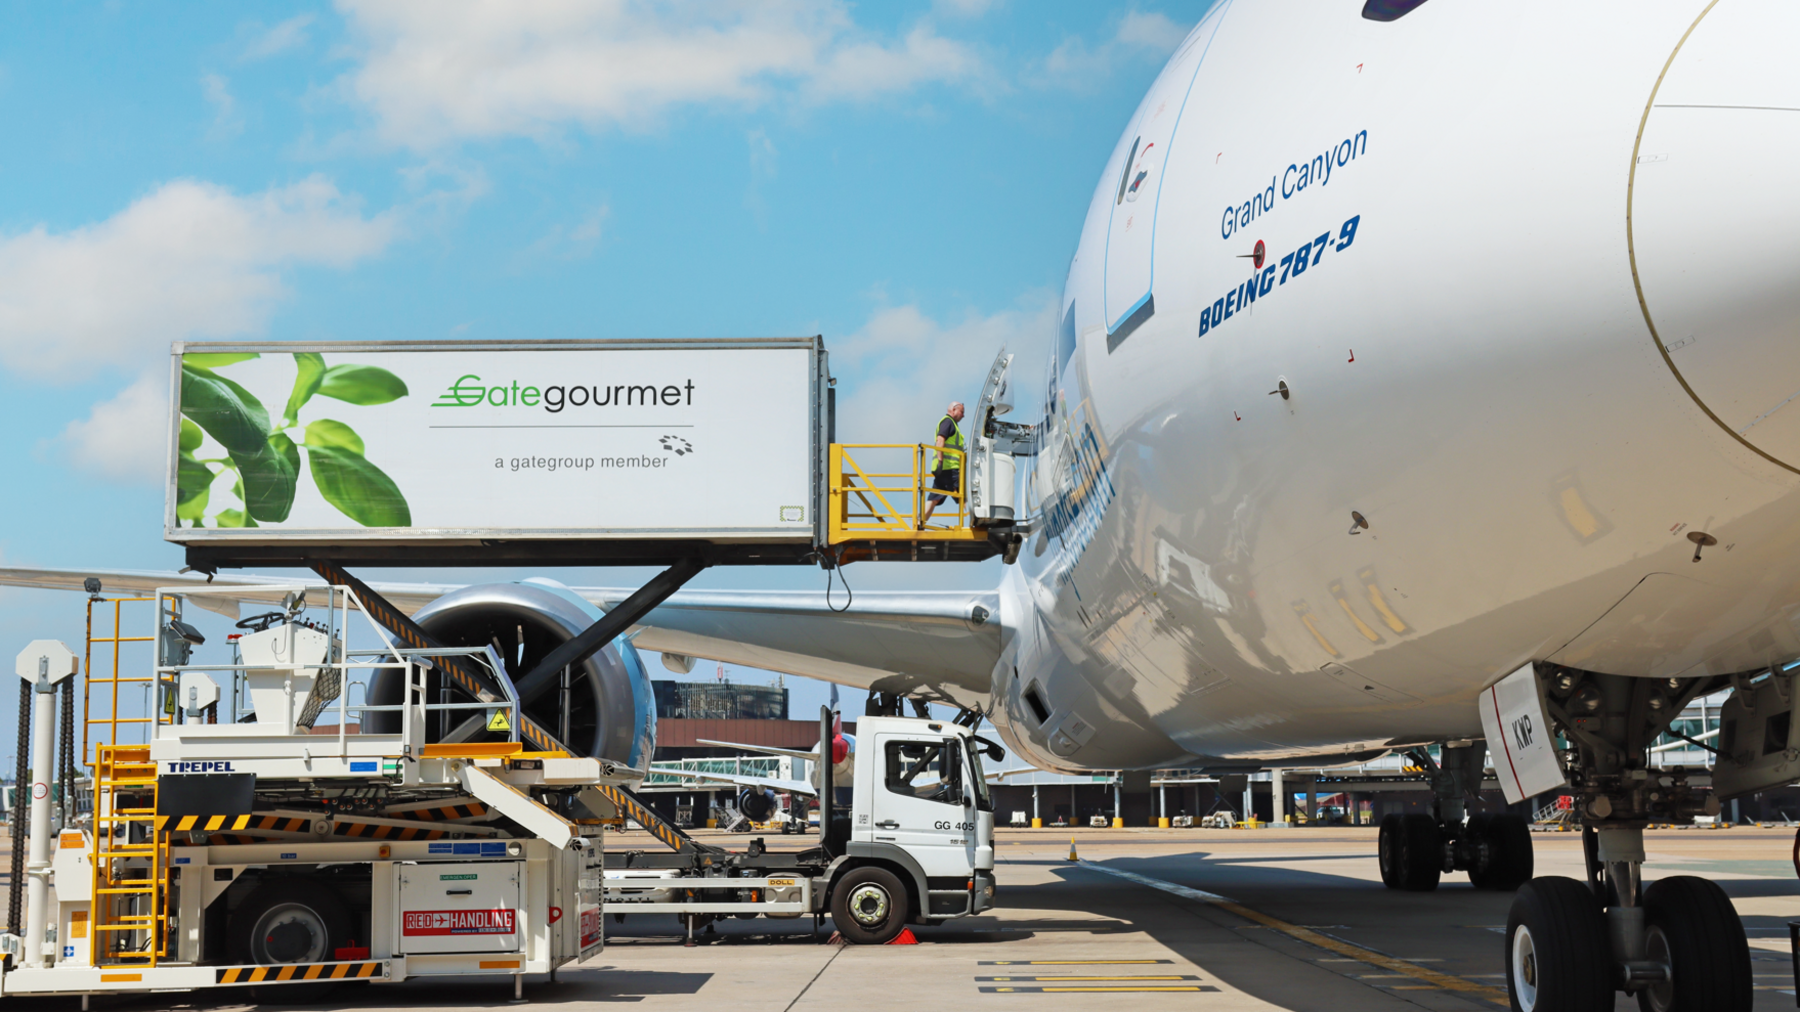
(921, 814)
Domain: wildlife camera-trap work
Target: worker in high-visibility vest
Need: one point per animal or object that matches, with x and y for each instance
(947, 470)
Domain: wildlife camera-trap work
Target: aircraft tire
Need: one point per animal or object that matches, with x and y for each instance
(1387, 851)
(1558, 958)
(1509, 841)
(1476, 834)
(1421, 853)
(1693, 927)
(869, 906)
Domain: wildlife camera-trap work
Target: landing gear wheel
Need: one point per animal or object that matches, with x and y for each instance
(1387, 851)
(289, 920)
(1503, 850)
(1693, 928)
(1421, 853)
(869, 906)
(1558, 958)
(1479, 848)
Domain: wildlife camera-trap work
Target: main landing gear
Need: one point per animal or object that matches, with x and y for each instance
(1417, 849)
(1677, 944)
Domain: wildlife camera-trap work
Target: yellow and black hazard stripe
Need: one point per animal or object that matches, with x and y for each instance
(204, 823)
(235, 823)
(298, 971)
(469, 810)
(370, 831)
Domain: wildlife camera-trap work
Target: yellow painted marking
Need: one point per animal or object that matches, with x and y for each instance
(287, 972)
(1577, 513)
(1107, 976)
(368, 970)
(186, 823)
(1311, 937)
(1071, 962)
(215, 823)
(1306, 619)
(339, 970)
(313, 971)
(1376, 598)
(1337, 591)
(119, 978)
(1357, 952)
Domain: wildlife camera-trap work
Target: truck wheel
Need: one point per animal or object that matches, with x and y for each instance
(869, 906)
(289, 920)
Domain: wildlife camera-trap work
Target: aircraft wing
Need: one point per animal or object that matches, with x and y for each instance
(408, 597)
(937, 645)
(772, 783)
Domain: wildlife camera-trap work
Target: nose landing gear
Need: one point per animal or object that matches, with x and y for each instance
(1678, 945)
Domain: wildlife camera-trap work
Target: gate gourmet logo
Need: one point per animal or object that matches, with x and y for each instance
(469, 391)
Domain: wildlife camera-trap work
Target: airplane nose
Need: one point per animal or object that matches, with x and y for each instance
(1714, 213)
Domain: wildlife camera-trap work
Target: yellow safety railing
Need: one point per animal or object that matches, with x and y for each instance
(130, 860)
(879, 494)
(103, 728)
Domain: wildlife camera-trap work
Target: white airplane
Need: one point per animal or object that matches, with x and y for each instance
(1410, 351)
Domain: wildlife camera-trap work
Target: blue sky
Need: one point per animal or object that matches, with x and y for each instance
(907, 180)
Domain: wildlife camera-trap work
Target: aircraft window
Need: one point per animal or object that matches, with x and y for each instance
(1125, 173)
(1389, 10)
(931, 770)
(1036, 701)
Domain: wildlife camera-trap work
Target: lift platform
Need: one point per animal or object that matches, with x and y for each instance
(346, 852)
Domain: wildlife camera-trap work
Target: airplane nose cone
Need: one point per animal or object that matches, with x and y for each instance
(1714, 207)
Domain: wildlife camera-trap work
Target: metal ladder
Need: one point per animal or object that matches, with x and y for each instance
(129, 918)
(104, 729)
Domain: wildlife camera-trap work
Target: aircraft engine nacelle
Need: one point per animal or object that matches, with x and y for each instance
(757, 806)
(611, 709)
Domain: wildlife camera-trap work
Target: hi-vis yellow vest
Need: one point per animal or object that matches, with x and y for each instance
(948, 461)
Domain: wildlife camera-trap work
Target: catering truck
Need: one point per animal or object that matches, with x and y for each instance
(906, 837)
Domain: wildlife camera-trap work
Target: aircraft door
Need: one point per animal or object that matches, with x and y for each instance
(1131, 233)
(991, 445)
(923, 802)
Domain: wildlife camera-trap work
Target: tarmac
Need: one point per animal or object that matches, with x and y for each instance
(1292, 919)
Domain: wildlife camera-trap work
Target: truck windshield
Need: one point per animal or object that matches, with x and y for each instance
(979, 780)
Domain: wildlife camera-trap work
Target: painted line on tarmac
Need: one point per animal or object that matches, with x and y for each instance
(1068, 962)
(1073, 977)
(1311, 937)
(1188, 987)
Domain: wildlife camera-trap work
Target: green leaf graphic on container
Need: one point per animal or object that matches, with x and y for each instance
(264, 459)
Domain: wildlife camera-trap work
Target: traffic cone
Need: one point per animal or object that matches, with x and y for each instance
(905, 937)
(1072, 856)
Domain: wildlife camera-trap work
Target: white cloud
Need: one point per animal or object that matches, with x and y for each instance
(226, 120)
(1138, 36)
(434, 71)
(189, 260)
(893, 372)
(126, 438)
(290, 34)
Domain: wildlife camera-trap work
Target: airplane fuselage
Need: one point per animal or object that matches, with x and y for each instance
(1397, 355)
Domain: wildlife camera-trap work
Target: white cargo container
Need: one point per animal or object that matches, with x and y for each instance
(444, 443)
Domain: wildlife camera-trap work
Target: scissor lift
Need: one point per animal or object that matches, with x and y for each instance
(276, 853)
